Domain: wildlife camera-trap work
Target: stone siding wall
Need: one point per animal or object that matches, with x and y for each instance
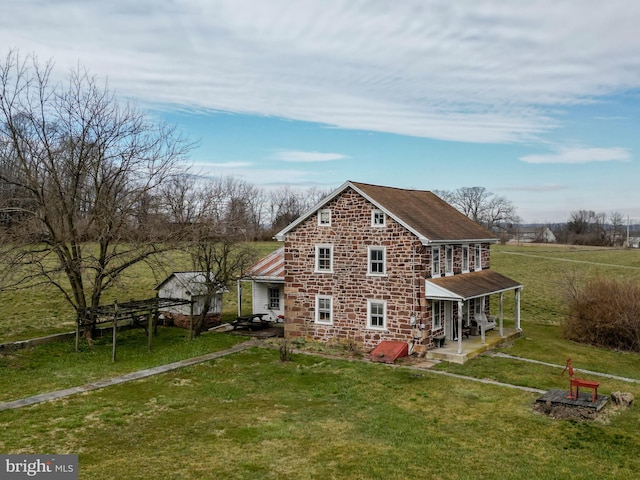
(349, 285)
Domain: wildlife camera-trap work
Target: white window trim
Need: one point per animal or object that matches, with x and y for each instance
(465, 255)
(437, 305)
(477, 260)
(448, 266)
(317, 259)
(384, 261)
(320, 212)
(270, 298)
(434, 272)
(373, 218)
(384, 315)
(317, 315)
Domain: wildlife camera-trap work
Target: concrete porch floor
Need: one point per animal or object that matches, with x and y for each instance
(472, 346)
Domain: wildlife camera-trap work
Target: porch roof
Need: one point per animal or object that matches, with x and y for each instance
(269, 268)
(468, 285)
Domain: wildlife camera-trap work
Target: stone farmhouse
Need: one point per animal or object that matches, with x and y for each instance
(370, 263)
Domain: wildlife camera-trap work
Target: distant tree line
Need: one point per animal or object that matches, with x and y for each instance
(586, 227)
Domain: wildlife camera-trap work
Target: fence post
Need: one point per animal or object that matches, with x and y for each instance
(115, 329)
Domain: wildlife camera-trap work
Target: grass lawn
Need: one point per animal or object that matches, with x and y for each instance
(251, 416)
(43, 311)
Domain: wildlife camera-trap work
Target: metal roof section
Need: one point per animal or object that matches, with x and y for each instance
(194, 282)
(466, 286)
(423, 213)
(270, 268)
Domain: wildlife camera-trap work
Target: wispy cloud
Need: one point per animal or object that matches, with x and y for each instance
(468, 71)
(297, 156)
(581, 155)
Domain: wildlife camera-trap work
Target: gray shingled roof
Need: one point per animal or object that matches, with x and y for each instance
(422, 212)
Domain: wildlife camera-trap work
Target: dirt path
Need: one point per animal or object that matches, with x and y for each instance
(45, 397)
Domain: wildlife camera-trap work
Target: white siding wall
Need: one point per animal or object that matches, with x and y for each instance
(260, 295)
(175, 290)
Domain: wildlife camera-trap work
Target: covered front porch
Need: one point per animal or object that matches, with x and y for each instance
(464, 325)
(473, 346)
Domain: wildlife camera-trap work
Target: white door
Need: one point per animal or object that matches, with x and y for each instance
(449, 327)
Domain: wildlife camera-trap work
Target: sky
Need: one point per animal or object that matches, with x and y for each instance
(537, 101)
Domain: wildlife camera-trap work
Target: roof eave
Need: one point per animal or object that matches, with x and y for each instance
(426, 241)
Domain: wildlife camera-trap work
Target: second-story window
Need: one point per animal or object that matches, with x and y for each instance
(378, 218)
(324, 258)
(435, 261)
(478, 257)
(448, 268)
(324, 217)
(465, 258)
(377, 263)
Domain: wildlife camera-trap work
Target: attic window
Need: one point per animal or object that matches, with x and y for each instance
(324, 217)
(378, 218)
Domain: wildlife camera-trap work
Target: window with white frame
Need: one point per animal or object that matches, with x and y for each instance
(324, 217)
(435, 261)
(274, 298)
(478, 257)
(437, 314)
(324, 258)
(465, 258)
(448, 264)
(377, 261)
(377, 314)
(324, 309)
(378, 218)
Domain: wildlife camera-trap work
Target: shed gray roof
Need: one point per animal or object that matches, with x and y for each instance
(194, 282)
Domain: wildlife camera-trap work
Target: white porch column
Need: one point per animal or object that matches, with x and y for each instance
(483, 324)
(501, 316)
(460, 327)
(518, 309)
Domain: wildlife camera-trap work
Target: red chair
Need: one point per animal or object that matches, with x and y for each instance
(579, 382)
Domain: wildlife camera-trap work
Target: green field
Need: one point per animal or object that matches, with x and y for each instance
(251, 416)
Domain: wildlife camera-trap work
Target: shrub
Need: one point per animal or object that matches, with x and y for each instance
(604, 312)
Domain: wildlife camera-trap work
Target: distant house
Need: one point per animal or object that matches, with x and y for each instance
(633, 242)
(370, 263)
(537, 234)
(189, 286)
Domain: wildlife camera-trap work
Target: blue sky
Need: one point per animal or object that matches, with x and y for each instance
(537, 101)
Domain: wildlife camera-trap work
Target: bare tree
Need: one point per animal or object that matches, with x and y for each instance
(492, 211)
(80, 166)
(616, 234)
(217, 221)
(286, 204)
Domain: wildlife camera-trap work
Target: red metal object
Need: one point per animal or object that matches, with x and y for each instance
(579, 382)
(389, 351)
